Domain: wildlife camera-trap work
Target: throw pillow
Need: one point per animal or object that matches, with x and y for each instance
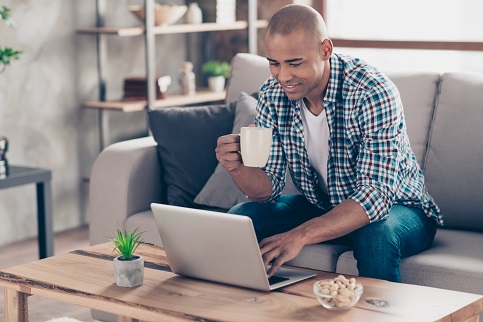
(220, 191)
(186, 140)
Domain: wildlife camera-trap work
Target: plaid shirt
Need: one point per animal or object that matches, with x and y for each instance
(370, 159)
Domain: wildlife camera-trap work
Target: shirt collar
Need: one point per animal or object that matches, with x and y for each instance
(335, 79)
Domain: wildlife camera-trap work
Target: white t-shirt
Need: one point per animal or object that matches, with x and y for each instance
(316, 134)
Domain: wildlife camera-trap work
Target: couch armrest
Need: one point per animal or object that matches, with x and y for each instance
(125, 179)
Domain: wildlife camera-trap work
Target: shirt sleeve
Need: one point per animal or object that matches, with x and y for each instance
(276, 164)
(382, 127)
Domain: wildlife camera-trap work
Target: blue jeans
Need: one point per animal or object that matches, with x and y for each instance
(378, 247)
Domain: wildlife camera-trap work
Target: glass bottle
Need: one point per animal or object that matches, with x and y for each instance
(187, 79)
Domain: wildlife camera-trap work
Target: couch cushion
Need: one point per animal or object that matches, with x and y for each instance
(248, 73)
(454, 165)
(418, 94)
(319, 256)
(454, 262)
(146, 223)
(186, 140)
(220, 191)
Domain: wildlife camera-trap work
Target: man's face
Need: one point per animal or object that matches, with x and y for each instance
(296, 61)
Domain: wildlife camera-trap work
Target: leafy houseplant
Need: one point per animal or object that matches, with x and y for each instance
(217, 73)
(128, 268)
(216, 68)
(7, 54)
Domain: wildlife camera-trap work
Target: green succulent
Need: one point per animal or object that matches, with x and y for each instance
(5, 15)
(126, 242)
(7, 54)
(216, 68)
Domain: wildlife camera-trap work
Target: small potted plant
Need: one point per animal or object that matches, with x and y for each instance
(128, 268)
(217, 72)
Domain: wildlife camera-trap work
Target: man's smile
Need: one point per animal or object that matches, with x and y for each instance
(290, 88)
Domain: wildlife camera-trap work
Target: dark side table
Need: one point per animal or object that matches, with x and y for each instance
(22, 175)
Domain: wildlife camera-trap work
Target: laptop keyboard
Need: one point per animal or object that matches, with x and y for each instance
(276, 279)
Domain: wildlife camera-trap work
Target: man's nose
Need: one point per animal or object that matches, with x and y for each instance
(284, 74)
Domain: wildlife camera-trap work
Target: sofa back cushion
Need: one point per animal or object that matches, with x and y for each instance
(454, 163)
(186, 140)
(418, 94)
(248, 73)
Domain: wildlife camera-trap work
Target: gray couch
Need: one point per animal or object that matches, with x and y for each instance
(444, 114)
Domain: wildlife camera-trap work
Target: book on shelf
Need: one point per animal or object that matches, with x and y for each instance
(134, 88)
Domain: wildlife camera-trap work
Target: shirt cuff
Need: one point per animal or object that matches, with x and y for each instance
(375, 204)
(277, 187)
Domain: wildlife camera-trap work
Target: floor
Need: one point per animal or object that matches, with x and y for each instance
(41, 310)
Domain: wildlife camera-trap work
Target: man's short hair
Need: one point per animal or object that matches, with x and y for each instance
(294, 17)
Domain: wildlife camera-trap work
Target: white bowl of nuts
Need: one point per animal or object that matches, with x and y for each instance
(339, 293)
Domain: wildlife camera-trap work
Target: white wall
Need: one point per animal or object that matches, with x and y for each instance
(439, 20)
(41, 96)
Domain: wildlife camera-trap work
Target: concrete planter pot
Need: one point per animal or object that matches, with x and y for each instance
(216, 83)
(129, 273)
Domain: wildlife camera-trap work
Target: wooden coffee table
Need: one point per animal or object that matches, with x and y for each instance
(85, 278)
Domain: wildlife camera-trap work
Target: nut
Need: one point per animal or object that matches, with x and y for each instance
(340, 292)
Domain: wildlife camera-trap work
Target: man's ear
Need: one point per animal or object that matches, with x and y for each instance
(326, 49)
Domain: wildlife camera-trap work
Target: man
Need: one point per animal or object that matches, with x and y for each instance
(339, 126)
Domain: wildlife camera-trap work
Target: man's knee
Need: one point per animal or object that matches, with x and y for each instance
(379, 231)
(245, 208)
(236, 209)
(376, 240)
(377, 251)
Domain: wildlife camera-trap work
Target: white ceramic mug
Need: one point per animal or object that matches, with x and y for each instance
(255, 145)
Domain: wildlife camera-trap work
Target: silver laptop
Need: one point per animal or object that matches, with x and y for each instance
(217, 247)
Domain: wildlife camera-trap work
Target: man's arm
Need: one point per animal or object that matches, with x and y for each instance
(343, 219)
(253, 182)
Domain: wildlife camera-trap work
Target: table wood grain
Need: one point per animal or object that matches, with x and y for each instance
(85, 277)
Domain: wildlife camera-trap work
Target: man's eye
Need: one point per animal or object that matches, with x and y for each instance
(274, 64)
(295, 65)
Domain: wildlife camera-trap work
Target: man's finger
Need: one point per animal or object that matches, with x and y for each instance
(269, 256)
(228, 156)
(230, 138)
(266, 245)
(226, 149)
(275, 266)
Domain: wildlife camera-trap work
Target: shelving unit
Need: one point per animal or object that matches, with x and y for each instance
(170, 100)
(149, 31)
(173, 29)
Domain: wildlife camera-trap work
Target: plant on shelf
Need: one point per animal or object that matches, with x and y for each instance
(7, 54)
(128, 268)
(217, 72)
(215, 68)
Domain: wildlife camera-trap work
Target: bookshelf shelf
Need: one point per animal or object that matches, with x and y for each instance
(172, 29)
(170, 100)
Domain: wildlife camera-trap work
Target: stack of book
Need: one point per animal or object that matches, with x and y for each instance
(135, 89)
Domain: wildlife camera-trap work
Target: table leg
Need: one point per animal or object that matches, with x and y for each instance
(475, 318)
(16, 306)
(126, 319)
(44, 218)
